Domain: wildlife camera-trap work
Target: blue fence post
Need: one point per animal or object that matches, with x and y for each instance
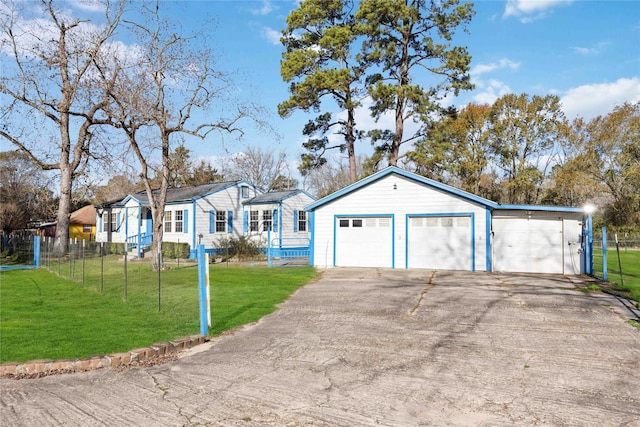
(269, 247)
(589, 247)
(202, 281)
(36, 251)
(604, 254)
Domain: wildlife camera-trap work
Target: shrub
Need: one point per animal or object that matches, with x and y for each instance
(175, 250)
(241, 247)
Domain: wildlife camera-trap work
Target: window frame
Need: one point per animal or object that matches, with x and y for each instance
(302, 221)
(179, 221)
(168, 222)
(221, 221)
(267, 220)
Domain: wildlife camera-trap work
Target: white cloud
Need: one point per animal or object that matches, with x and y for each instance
(491, 91)
(529, 10)
(273, 36)
(594, 50)
(89, 5)
(487, 68)
(266, 8)
(589, 101)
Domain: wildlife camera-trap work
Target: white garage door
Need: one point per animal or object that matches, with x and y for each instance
(440, 242)
(364, 242)
(528, 245)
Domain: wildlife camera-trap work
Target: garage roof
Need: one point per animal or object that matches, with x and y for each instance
(391, 170)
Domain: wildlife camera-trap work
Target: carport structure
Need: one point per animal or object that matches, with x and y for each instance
(397, 219)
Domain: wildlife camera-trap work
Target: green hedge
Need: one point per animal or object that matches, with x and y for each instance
(175, 250)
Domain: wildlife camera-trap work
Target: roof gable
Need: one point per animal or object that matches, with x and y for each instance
(456, 192)
(274, 197)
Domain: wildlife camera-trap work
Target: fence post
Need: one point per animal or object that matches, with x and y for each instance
(604, 254)
(202, 269)
(36, 251)
(101, 266)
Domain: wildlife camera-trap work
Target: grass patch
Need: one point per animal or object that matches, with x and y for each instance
(591, 288)
(634, 323)
(630, 261)
(43, 316)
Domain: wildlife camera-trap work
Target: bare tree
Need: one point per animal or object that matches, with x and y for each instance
(51, 103)
(156, 96)
(257, 166)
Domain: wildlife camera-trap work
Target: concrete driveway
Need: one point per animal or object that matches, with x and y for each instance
(377, 347)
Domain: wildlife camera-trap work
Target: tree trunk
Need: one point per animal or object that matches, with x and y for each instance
(351, 141)
(61, 241)
(158, 231)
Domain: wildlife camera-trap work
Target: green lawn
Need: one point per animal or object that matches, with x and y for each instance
(43, 316)
(630, 261)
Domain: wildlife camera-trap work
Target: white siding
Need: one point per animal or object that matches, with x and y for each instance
(401, 197)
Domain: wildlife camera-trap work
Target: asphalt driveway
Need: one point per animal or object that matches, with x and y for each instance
(377, 347)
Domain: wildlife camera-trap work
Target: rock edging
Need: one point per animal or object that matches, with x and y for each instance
(154, 354)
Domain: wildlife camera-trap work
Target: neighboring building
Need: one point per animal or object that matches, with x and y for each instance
(397, 219)
(204, 214)
(82, 225)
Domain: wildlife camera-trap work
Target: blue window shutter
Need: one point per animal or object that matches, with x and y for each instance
(229, 221)
(100, 228)
(212, 221)
(275, 220)
(295, 220)
(185, 221)
(118, 222)
(245, 222)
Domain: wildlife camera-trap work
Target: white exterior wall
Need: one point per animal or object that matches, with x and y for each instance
(408, 198)
(285, 236)
(227, 200)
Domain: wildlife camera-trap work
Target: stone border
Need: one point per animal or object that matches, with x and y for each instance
(139, 356)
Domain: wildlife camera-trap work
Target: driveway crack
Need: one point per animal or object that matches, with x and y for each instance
(423, 293)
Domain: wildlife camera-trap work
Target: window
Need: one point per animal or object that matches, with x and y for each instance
(357, 223)
(344, 223)
(113, 220)
(267, 217)
(245, 192)
(221, 221)
(302, 221)
(86, 228)
(179, 221)
(167, 221)
(254, 221)
(446, 222)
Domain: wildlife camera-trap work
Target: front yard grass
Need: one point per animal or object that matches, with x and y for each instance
(630, 261)
(43, 316)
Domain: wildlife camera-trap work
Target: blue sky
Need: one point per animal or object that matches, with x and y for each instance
(586, 52)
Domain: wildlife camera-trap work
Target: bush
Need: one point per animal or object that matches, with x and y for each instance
(241, 247)
(111, 248)
(175, 250)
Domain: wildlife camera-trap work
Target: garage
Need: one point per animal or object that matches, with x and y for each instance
(440, 242)
(397, 219)
(365, 241)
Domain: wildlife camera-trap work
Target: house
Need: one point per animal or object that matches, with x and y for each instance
(205, 214)
(397, 219)
(82, 225)
(282, 212)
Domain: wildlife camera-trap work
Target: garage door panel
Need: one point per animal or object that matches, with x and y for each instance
(528, 245)
(440, 242)
(364, 242)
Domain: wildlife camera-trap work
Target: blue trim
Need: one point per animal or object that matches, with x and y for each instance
(185, 221)
(280, 214)
(487, 243)
(539, 208)
(245, 222)
(212, 222)
(229, 221)
(376, 215)
(118, 222)
(295, 220)
(193, 230)
(312, 246)
(138, 242)
(470, 215)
